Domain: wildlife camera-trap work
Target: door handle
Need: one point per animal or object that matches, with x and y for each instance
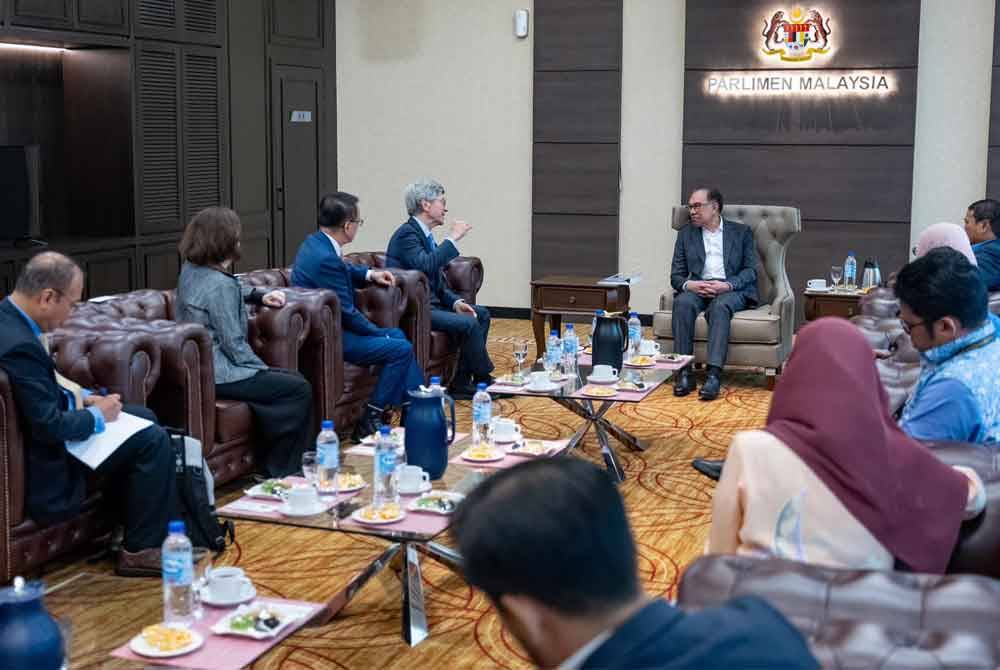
(279, 198)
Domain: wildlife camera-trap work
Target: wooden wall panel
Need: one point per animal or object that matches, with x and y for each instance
(993, 152)
(160, 266)
(578, 35)
(564, 243)
(845, 162)
(578, 106)
(298, 23)
(108, 272)
(576, 179)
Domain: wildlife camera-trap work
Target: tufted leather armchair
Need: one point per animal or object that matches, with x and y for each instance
(861, 618)
(879, 323)
(127, 363)
(184, 395)
(760, 337)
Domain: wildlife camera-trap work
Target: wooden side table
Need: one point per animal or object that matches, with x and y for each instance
(556, 295)
(845, 305)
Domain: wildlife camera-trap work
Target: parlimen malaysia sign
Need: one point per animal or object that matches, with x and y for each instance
(794, 39)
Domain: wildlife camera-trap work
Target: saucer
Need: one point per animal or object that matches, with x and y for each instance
(593, 379)
(246, 595)
(287, 510)
(139, 645)
(508, 440)
(424, 488)
(828, 289)
(545, 388)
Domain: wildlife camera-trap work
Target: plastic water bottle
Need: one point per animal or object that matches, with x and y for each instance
(593, 327)
(178, 571)
(327, 460)
(851, 271)
(482, 413)
(553, 351)
(438, 390)
(634, 334)
(384, 475)
(570, 347)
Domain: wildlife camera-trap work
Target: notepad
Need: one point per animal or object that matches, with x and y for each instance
(98, 447)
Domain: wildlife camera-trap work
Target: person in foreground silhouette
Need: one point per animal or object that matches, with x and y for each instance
(549, 543)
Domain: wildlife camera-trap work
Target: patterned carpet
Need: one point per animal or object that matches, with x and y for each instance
(668, 503)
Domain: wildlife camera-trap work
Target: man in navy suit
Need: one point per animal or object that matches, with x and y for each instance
(53, 410)
(714, 271)
(413, 247)
(319, 264)
(549, 543)
(982, 225)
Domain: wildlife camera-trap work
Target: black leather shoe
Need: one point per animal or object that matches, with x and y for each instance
(684, 384)
(710, 389)
(710, 467)
(368, 424)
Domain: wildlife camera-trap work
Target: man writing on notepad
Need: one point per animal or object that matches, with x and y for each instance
(53, 410)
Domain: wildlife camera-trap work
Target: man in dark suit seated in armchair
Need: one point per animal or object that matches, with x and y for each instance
(549, 543)
(319, 264)
(413, 247)
(53, 410)
(714, 270)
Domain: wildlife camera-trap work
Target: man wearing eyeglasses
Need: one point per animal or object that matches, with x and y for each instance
(982, 224)
(942, 305)
(319, 264)
(714, 270)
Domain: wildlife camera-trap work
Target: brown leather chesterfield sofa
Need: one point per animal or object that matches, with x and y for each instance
(184, 395)
(862, 618)
(127, 363)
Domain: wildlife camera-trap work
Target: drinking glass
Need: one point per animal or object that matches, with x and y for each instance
(836, 274)
(201, 561)
(520, 355)
(549, 363)
(310, 467)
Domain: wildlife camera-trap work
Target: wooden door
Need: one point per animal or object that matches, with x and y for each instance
(296, 99)
(103, 16)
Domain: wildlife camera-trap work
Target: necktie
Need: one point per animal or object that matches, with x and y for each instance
(430, 240)
(67, 385)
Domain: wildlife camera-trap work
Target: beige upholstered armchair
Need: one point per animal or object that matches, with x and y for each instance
(760, 337)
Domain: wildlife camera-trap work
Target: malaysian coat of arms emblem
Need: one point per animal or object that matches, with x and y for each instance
(797, 35)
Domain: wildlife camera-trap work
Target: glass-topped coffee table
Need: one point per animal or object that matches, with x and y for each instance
(592, 404)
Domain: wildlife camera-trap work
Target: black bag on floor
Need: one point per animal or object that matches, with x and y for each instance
(196, 495)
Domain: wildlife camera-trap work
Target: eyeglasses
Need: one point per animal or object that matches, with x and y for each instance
(360, 222)
(698, 205)
(908, 327)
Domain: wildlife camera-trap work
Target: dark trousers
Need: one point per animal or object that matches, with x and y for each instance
(141, 472)
(470, 335)
(718, 312)
(400, 372)
(282, 406)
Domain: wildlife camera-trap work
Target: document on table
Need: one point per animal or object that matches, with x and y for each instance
(95, 450)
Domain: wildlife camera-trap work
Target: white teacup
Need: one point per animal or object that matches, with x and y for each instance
(603, 372)
(411, 478)
(816, 284)
(302, 498)
(540, 379)
(649, 348)
(227, 584)
(504, 430)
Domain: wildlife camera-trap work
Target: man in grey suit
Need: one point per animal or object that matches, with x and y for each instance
(714, 270)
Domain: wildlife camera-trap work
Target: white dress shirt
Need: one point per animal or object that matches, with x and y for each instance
(715, 264)
(340, 252)
(427, 232)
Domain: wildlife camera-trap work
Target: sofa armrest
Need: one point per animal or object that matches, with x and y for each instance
(667, 301)
(321, 358)
(277, 335)
(383, 305)
(184, 396)
(465, 275)
(126, 363)
(13, 474)
(416, 318)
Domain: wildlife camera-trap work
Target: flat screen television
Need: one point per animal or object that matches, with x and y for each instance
(20, 204)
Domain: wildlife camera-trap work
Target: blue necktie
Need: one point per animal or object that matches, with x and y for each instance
(430, 239)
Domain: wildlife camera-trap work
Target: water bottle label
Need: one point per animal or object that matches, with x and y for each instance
(177, 568)
(482, 413)
(387, 462)
(328, 456)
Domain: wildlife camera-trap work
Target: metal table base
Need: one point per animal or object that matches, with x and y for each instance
(602, 428)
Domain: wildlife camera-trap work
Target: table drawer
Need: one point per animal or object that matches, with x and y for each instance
(841, 308)
(571, 299)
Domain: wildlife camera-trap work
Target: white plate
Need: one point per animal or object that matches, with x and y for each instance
(454, 497)
(248, 594)
(356, 515)
(828, 289)
(499, 457)
(141, 647)
(286, 613)
(398, 434)
(353, 488)
(629, 364)
(424, 488)
(528, 454)
(509, 381)
(602, 380)
(591, 394)
(551, 386)
(318, 508)
(257, 491)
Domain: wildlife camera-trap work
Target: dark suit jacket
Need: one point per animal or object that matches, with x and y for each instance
(743, 633)
(56, 485)
(317, 265)
(738, 254)
(988, 258)
(410, 249)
